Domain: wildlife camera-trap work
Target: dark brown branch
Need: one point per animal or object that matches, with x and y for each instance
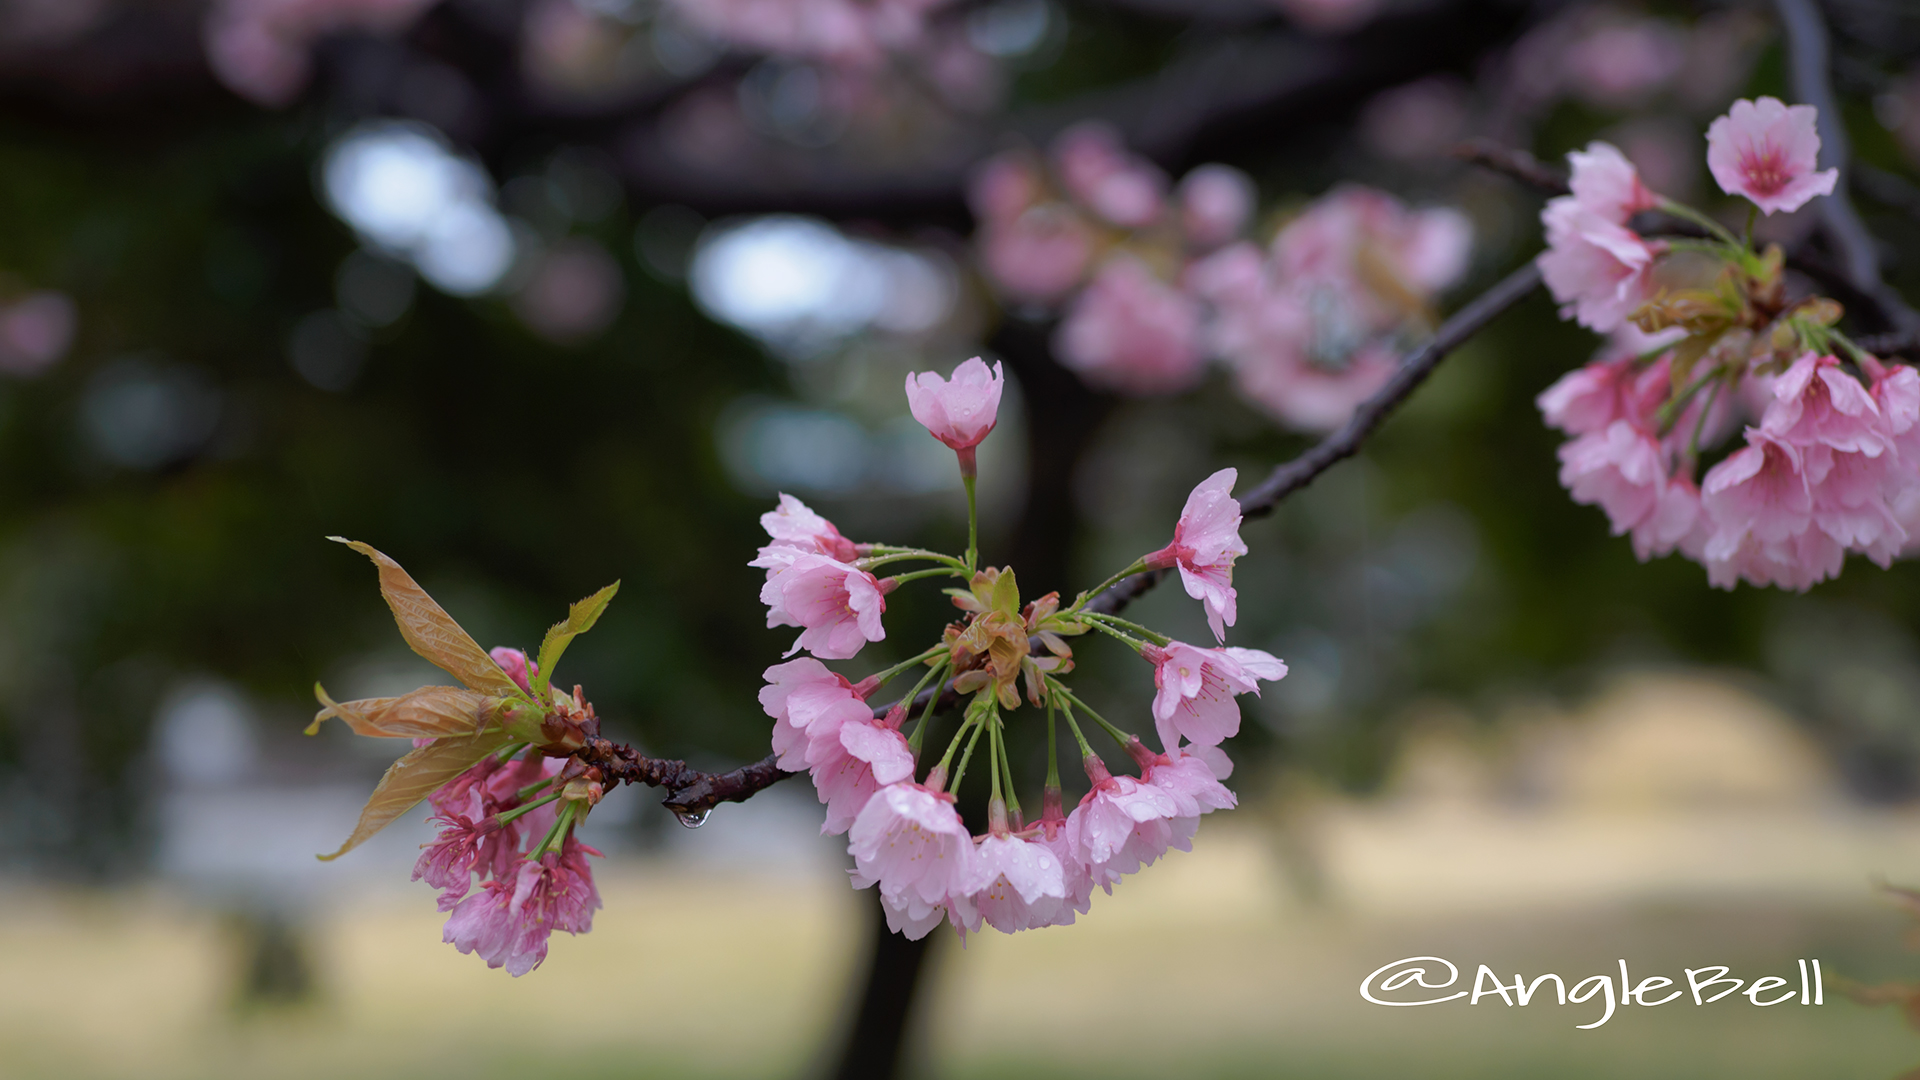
(1859, 260)
(690, 792)
(1301, 471)
(1515, 164)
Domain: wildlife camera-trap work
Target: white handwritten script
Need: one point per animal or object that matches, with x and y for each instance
(1415, 980)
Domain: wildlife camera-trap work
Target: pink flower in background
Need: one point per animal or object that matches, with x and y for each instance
(1040, 255)
(1352, 235)
(1026, 886)
(1216, 202)
(1816, 403)
(959, 413)
(36, 331)
(1768, 151)
(1003, 187)
(910, 842)
(1621, 65)
(1596, 269)
(259, 48)
(837, 606)
(1606, 183)
(855, 32)
(516, 665)
(1129, 331)
(1196, 688)
(1102, 176)
(793, 524)
(1206, 541)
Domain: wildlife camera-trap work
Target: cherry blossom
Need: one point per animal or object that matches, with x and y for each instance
(960, 412)
(793, 524)
(1122, 824)
(808, 704)
(1624, 471)
(1604, 182)
(1039, 255)
(1206, 541)
(838, 606)
(1131, 332)
(910, 841)
(1196, 688)
(1026, 886)
(1190, 780)
(508, 922)
(1768, 151)
(1760, 505)
(1817, 403)
(1103, 177)
(516, 665)
(1597, 269)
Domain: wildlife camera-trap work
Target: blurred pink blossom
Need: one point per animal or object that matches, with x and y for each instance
(1131, 332)
(848, 31)
(36, 331)
(1098, 171)
(1606, 183)
(1039, 255)
(260, 48)
(1216, 202)
(1621, 65)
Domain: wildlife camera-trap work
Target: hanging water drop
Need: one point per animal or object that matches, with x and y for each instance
(692, 819)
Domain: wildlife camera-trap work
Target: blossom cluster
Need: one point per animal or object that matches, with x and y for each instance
(1158, 279)
(899, 812)
(1711, 344)
(495, 759)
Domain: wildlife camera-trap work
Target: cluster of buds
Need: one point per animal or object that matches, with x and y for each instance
(1154, 285)
(1707, 342)
(898, 811)
(495, 759)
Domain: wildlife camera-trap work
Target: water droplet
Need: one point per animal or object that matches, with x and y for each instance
(692, 819)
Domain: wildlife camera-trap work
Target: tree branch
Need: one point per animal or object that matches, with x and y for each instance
(1301, 471)
(1806, 34)
(690, 792)
(1516, 164)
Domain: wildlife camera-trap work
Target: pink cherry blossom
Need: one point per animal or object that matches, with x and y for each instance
(1815, 402)
(1123, 824)
(1760, 506)
(808, 704)
(1768, 151)
(865, 755)
(909, 840)
(1026, 886)
(1216, 202)
(793, 524)
(1003, 187)
(1850, 501)
(1190, 781)
(1131, 332)
(960, 412)
(1099, 172)
(1623, 470)
(516, 665)
(449, 861)
(837, 606)
(1206, 541)
(1614, 386)
(507, 923)
(1598, 270)
(1196, 688)
(1607, 184)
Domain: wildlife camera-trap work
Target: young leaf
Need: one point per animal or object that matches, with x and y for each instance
(580, 619)
(430, 712)
(416, 776)
(1006, 593)
(431, 631)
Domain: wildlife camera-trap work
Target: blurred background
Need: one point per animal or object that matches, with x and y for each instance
(534, 295)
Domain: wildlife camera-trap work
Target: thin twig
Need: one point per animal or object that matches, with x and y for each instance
(1515, 164)
(1301, 471)
(1806, 34)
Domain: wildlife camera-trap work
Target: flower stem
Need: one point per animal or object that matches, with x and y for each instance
(509, 815)
(889, 674)
(1700, 425)
(1150, 634)
(915, 740)
(1053, 748)
(528, 791)
(987, 718)
(1139, 567)
(1006, 769)
(966, 723)
(1086, 751)
(1119, 736)
(561, 824)
(1670, 412)
(1133, 642)
(938, 571)
(973, 524)
(910, 553)
(1719, 231)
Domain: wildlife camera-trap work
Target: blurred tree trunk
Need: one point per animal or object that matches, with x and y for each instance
(1062, 417)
